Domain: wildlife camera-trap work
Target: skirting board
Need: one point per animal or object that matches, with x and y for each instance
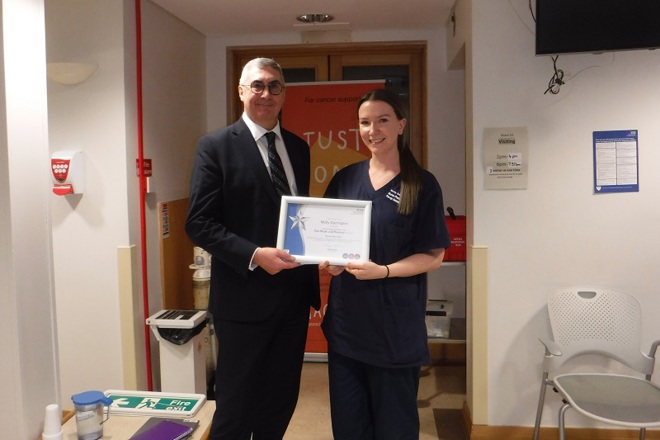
(481, 432)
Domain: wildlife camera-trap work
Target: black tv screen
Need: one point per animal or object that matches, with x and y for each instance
(572, 26)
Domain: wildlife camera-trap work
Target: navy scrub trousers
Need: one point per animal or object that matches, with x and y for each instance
(372, 403)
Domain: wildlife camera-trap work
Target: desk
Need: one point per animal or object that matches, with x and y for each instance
(122, 427)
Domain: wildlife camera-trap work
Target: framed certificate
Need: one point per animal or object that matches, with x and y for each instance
(315, 230)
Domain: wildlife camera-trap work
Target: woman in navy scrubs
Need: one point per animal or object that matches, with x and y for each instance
(375, 322)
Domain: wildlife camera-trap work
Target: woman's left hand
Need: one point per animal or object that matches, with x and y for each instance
(332, 270)
(407, 267)
(367, 270)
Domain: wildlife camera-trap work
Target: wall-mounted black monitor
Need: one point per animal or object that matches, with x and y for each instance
(572, 26)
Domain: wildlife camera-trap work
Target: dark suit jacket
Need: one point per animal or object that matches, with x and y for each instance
(233, 210)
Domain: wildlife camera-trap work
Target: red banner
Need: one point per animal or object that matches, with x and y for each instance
(325, 115)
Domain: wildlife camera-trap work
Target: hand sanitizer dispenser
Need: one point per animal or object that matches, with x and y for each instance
(68, 172)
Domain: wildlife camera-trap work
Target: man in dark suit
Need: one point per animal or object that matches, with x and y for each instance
(259, 296)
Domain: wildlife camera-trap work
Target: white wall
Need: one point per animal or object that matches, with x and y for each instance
(88, 228)
(557, 232)
(29, 379)
(174, 57)
(174, 86)
(99, 117)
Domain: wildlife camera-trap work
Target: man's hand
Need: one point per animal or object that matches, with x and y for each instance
(274, 260)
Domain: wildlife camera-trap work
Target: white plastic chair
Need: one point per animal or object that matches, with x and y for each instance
(606, 323)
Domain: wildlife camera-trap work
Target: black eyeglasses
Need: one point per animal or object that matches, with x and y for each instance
(275, 87)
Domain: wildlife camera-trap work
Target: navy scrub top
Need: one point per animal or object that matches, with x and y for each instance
(382, 322)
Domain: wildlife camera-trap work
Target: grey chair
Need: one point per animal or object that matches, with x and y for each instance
(605, 323)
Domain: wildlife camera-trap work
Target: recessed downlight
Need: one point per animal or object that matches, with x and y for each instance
(315, 18)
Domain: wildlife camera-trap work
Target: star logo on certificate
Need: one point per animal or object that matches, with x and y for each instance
(298, 222)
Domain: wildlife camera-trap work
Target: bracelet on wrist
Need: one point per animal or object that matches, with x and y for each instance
(388, 271)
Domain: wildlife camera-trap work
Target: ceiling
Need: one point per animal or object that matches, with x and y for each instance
(235, 17)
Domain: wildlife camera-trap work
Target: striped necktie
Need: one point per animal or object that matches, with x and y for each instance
(277, 173)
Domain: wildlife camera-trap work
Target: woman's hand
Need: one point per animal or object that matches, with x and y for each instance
(407, 267)
(367, 270)
(331, 269)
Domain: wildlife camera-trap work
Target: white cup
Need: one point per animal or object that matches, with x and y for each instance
(52, 423)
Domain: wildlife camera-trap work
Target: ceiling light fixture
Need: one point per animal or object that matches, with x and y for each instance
(315, 18)
(70, 73)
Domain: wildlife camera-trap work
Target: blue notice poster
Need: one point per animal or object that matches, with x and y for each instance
(616, 165)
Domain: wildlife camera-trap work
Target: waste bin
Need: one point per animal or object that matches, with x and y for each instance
(181, 335)
(438, 319)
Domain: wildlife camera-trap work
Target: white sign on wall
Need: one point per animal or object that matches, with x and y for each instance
(505, 158)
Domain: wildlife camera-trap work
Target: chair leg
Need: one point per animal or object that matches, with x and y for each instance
(562, 412)
(539, 408)
(562, 433)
